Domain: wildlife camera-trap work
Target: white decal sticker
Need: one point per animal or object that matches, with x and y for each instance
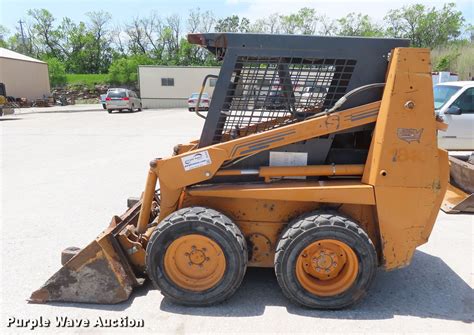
(196, 160)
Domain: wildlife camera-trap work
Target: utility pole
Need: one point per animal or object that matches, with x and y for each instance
(22, 33)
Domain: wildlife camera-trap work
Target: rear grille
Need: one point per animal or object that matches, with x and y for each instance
(269, 92)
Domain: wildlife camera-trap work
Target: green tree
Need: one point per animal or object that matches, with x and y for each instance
(125, 70)
(469, 32)
(57, 72)
(46, 35)
(197, 22)
(98, 49)
(425, 27)
(305, 21)
(4, 32)
(77, 42)
(233, 24)
(358, 25)
(270, 24)
(289, 24)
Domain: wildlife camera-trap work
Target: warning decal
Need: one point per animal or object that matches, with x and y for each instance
(196, 160)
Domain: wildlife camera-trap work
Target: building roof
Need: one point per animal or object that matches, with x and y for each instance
(6, 53)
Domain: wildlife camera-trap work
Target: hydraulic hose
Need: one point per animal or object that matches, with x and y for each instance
(346, 96)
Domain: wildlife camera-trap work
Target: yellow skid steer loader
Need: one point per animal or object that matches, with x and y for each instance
(318, 158)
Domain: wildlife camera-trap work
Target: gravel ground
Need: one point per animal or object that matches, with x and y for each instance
(63, 175)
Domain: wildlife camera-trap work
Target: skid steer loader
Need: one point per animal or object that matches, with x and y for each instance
(318, 157)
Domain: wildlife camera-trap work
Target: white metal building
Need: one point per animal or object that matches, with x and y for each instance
(23, 76)
(171, 86)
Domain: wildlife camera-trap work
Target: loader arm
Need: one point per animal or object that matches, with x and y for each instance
(199, 165)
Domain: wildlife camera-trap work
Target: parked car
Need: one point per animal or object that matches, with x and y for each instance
(103, 101)
(203, 105)
(454, 102)
(122, 99)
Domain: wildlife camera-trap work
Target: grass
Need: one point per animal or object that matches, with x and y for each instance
(462, 59)
(87, 79)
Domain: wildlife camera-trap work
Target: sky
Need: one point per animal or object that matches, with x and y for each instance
(123, 10)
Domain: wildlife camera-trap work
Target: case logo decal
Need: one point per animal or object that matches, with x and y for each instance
(409, 134)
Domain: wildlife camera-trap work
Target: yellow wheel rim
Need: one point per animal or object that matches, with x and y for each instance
(327, 267)
(194, 262)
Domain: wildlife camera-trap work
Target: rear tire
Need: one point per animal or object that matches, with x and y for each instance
(198, 276)
(319, 245)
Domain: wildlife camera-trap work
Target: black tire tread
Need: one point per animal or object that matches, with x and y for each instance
(212, 217)
(314, 220)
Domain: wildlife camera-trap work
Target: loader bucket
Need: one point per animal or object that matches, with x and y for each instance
(457, 201)
(99, 273)
(459, 195)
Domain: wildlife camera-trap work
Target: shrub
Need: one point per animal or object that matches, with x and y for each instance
(57, 72)
(125, 70)
(456, 57)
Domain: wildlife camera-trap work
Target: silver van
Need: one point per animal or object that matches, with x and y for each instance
(122, 99)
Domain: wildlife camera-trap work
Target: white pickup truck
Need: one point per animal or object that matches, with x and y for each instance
(454, 102)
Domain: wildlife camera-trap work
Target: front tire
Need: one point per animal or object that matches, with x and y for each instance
(109, 111)
(325, 260)
(197, 256)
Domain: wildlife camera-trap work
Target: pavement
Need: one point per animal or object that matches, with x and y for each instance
(63, 176)
(59, 109)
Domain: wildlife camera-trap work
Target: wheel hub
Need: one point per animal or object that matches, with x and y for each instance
(323, 260)
(327, 267)
(194, 262)
(197, 256)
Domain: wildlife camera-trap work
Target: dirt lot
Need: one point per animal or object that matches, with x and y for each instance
(65, 174)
